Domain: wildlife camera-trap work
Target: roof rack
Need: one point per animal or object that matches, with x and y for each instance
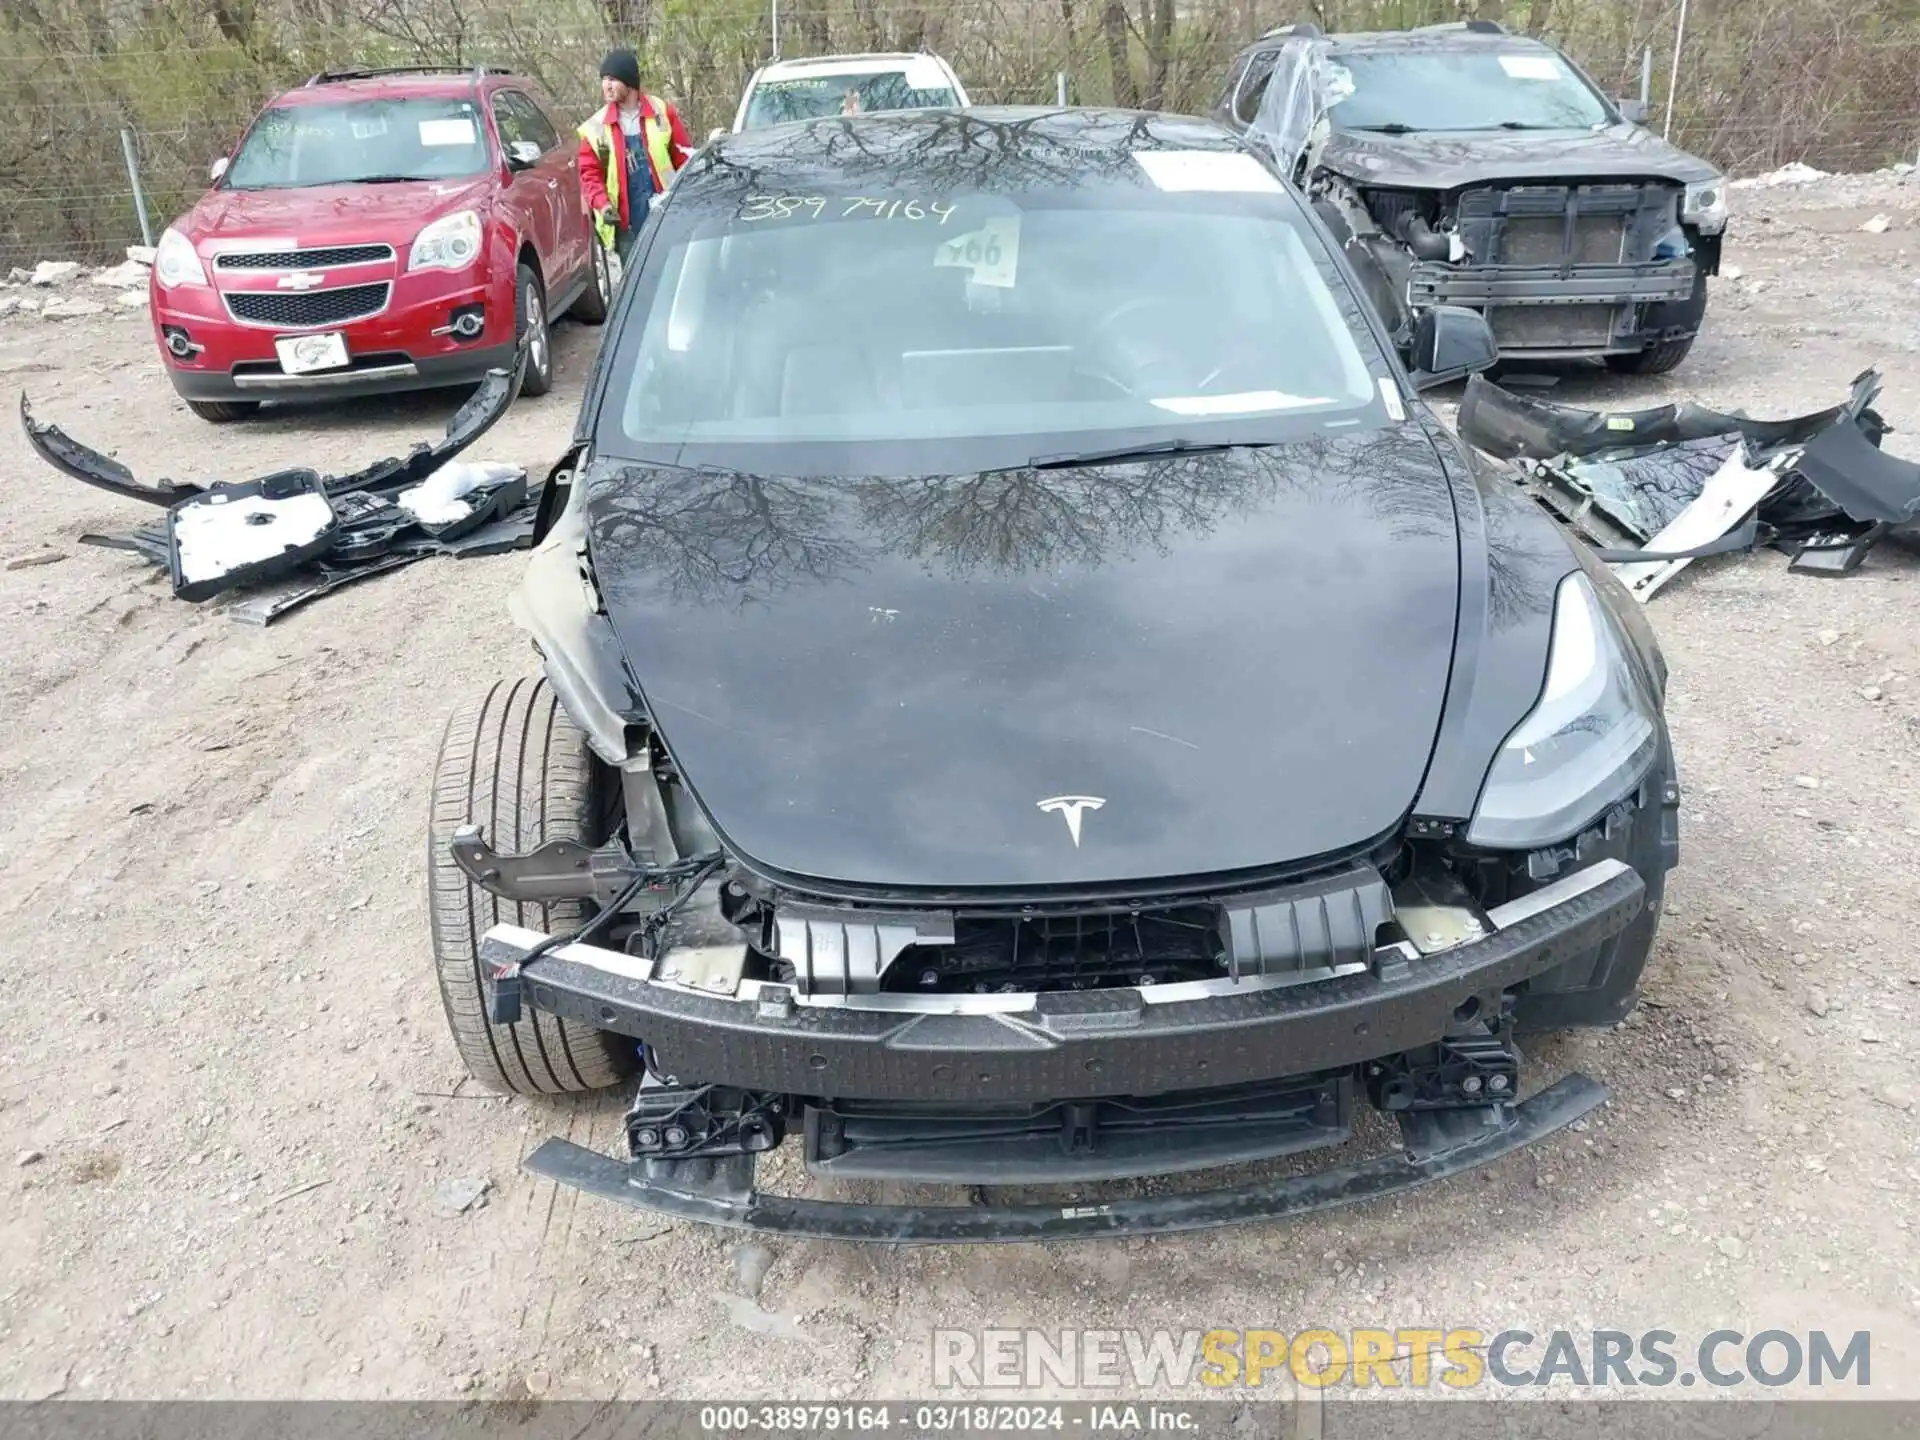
(478, 72)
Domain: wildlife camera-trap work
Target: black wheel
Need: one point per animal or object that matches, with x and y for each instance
(531, 330)
(514, 764)
(223, 412)
(597, 299)
(1654, 360)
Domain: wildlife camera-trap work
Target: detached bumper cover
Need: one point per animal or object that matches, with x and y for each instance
(1434, 282)
(722, 1193)
(1066, 1045)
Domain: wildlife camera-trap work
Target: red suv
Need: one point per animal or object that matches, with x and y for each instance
(378, 230)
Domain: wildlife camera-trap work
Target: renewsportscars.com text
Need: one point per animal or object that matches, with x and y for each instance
(1403, 1358)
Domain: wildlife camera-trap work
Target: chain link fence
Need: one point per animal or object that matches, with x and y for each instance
(114, 109)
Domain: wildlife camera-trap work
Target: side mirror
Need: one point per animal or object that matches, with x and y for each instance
(1634, 112)
(522, 155)
(219, 168)
(715, 133)
(1451, 343)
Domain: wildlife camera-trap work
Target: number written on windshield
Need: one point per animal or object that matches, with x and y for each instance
(815, 207)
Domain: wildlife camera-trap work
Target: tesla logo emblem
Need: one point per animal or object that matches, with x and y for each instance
(301, 280)
(1070, 809)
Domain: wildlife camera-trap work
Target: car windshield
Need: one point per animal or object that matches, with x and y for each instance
(980, 330)
(367, 141)
(811, 97)
(1477, 89)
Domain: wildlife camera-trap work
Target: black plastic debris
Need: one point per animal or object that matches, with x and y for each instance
(1867, 484)
(1637, 496)
(1654, 489)
(486, 405)
(68, 455)
(294, 535)
(235, 535)
(1513, 427)
(496, 537)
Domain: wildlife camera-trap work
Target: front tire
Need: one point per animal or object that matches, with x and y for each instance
(223, 412)
(597, 299)
(533, 333)
(513, 763)
(1654, 360)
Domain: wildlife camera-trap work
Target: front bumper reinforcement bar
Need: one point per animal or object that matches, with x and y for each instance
(723, 1193)
(1064, 1045)
(1434, 282)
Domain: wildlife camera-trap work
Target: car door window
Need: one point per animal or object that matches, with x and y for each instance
(540, 128)
(521, 122)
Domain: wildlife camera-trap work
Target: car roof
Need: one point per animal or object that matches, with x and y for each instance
(872, 59)
(1385, 40)
(996, 147)
(399, 84)
(1424, 38)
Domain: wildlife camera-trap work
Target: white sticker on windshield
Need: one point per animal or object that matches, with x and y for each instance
(992, 252)
(1339, 84)
(370, 129)
(1206, 170)
(446, 132)
(1532, 67)
(1247, 402)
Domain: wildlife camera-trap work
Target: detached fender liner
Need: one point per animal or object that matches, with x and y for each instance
(725, 1196)
(1070, 1045)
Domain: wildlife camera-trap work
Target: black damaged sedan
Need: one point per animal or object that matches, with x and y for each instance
(1029, 696)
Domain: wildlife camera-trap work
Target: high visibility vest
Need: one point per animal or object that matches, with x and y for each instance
(656, 138)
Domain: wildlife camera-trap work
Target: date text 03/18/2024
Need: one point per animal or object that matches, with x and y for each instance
(949, 1418)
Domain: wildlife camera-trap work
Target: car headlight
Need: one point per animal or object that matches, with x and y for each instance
(1587, 742)
(175, 263)
(1705, 205)
(450, 243)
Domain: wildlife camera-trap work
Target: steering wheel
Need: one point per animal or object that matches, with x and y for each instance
(1144, 360)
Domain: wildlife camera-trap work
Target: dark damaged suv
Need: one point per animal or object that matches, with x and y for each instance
(1011, 716)
(1462, 165)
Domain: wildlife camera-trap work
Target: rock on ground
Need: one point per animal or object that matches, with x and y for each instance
(72, 308)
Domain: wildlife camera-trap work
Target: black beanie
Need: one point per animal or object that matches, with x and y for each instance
(624, 66)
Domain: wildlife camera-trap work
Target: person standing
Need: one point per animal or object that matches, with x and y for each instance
(629, 153)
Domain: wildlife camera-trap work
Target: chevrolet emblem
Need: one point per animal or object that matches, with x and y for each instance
(301, 280)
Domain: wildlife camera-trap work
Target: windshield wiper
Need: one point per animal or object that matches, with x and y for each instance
(1526, 125)
(1392, 127)
(1151, 450)
(384, 179)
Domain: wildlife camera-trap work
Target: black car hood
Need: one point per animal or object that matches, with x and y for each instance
(876, 683)
(1446, 160)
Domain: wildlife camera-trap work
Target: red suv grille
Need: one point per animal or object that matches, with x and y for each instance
(303, 259)
(317, 307)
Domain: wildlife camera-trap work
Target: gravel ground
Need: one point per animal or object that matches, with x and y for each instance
(227, 1118)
